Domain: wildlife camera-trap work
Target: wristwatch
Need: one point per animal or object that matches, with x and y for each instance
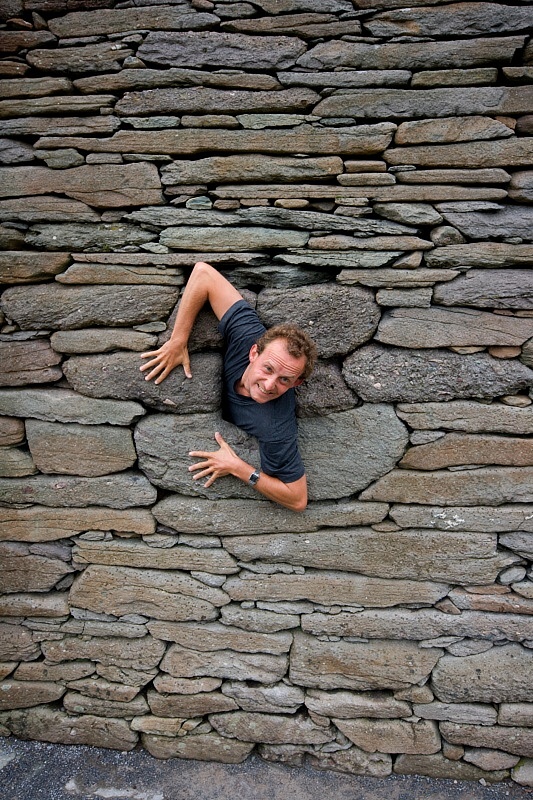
(254, 477)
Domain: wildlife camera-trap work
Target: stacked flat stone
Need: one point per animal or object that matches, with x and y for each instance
(360, 168)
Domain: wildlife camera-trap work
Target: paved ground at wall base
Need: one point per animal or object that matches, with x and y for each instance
(40, 771)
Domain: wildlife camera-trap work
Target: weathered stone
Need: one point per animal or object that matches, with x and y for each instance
(38, 524)
(521, 188)
(353, 761)
(202, 747)
(498, 675)
(171, 595)
(22, 267)
(86, 450)
(16, 463)
(395, 193)
(51, 604)
(510, 740)
(396, 375)
(509, 288)
(222, 50)
(104, 690)
(132, 677)
(119, 491)
(77, 703)
(66, 307)
(189, 238)
(519, 714)
(60, 126)
(316, 221)
(487, 519)
(409, 103)
(420, 625)
(140, 78)
(409, 213)
(334, 588)
(306, 26)
(468, 713)
(456, 77)
(42, 209)
(324, 392)
(11, 41)
(145, 653)
(11, 431)
(87, 236)
(187, 706)
(396, 55)
(223, 169)
(392, 736)
(100, 57)
(326, 312)
(101, 340)
(101, 185)
(488, 760)
(34, 87)
(39, 671)
(16, 644)
(438, 766)
(507, 222)
(28, 362)
(255, 619)
(346, 78)
(469, 416)
(270, 729)
(124, 553)
(361, 140)
(117, 375)
(114, 273)
(347, 705)
(202, 100)
(434, 327)
(261, 667)
(454, 449)
(64, 405)
(392, 276)
(350, 665)
(409, 554)
(165, 684)
(514, 152)
(20, 571)
(459, 19)
(106, 21)
(277, 699)
(214, 636)
(48, 725)
(523, 772)
(461, 176)
(405, 298)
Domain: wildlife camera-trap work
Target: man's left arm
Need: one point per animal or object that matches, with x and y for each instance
(225, 461)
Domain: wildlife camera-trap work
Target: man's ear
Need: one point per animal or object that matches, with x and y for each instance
(252, 355)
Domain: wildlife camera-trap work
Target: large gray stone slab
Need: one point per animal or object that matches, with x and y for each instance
(118, 375)
(305, 26)
(498, 675)
(486, 485)
(509, 740)
(22, 267)
(450, 129)
(346, 78)
(409, 103)
(66, 307)
(398, 375)
(257, 167)
(44, 724)
(102, 340)
(102, 57)
(333, 588)
(57, 104)
(59, 126)
(261, 667)
(456, 19)
(392, 736)
(359, 665)
(214, 636)
(469, 416)
(46, 208)
(87, 236)
(455, 449)
(339, 318)
(22, 571)
(498, 288)
(437, 327)
(270, 728)
(86, 450)
(438, 766)
(228, 517)
(203, 100)
(325, 392)
(161, 594)
(100, 185)
(409, 554)
(39, 524)
(200, 747)
(392, 277)
(133, 553)
(222, 50)
(400, 55)
(23, 362)
(109, 21)
(64, 405)
(350, 705)
(513, 152)
(486, 519)
(316, 221)
(504, 222)
(123, 490)
(141, 78)
(420, 625)
(245, 238)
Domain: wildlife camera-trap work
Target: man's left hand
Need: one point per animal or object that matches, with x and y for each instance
(217, 464)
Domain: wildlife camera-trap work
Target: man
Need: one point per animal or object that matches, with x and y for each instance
(261, 370)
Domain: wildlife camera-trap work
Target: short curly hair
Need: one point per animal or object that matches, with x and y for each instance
(298, 343)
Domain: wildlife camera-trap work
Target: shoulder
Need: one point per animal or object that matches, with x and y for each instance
(241, 320)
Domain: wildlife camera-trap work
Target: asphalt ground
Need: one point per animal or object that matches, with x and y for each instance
(42, 771)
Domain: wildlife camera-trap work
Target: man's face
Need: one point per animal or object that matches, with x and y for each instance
(270, 373)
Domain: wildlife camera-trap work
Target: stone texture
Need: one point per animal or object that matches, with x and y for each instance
(508, 221)
(260, 667)
(455, 449)
(15, 463)
(319, 309)
(201, 100)
(347, 705)
(145, 653)
(222, 169)
(66, 307)
(120, 552)
(498, 675)
(513, 152)
(277, 699)
(392, 736)
(498, 288)
(458, 19)
(20, 571)
(157, 593)
(64, 405)
(117, 375)
(396, 375)
(28, 362)
(486, 519)
(214, 636)
(21, 267)
(189, 238)
(86, 450)
(469, 416)
(11, 431)
(353, 761)
(510, 740)
(109, 21)
(101, 340)
(438, 766)
(201, 747)
(189, 705)
(270, 728)
(39, 524)
(102, 57)
(410, 554)
(117, 491)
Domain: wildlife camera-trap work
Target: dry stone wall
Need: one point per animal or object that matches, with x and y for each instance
(363, 169)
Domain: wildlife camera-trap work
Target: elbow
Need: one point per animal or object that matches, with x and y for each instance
(299, 504)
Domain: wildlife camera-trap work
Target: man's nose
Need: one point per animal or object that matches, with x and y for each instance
(270, 383)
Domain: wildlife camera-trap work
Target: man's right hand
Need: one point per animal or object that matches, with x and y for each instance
(165, 359)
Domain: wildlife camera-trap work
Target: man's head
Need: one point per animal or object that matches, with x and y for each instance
(282, 359)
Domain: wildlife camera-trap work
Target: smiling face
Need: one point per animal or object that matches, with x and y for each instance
(270, 373)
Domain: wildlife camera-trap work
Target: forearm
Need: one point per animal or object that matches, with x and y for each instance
(290, 495)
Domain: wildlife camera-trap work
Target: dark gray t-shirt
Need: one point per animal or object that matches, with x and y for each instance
(274, 423)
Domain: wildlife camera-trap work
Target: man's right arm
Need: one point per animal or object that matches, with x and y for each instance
(205, 284)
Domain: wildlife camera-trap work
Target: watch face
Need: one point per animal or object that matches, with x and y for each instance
(254, 477)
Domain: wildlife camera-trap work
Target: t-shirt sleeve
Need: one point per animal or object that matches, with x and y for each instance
(282, 460)
(240, 326)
